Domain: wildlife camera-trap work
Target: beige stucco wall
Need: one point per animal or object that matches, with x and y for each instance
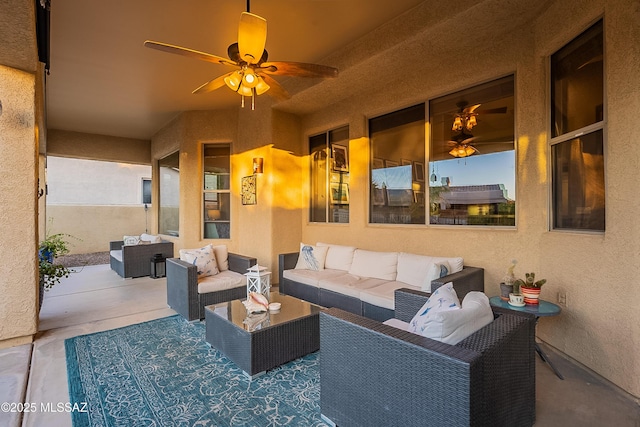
(599, 326)
(80, 145)
(18, 207)
(93, 227)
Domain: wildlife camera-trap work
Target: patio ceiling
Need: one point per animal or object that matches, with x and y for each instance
(103, 81)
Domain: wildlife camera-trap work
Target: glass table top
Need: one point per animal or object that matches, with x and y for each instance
(291, 309)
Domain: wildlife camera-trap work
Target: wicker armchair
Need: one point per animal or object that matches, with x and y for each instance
(182, 286)
(135, 260)
(374, 374)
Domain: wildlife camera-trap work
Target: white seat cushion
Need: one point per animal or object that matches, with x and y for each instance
(396, 323)
(117, 254)
(311, 277)
(350, 285)
(384, 295)
(221, 281)
(379, 265)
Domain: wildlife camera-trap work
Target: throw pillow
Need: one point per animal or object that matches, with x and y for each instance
(222, 257)
(453, 326)
(204, 259)
(443, 299)
(131, 240)
(436, 271)
(150, 238)
(311, 257)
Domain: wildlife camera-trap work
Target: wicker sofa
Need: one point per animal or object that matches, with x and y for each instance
(370, 297)
(182, 286)
(135, 260)
(374, 374)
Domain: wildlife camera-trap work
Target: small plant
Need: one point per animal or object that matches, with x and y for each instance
(50, 248)
(529, 281)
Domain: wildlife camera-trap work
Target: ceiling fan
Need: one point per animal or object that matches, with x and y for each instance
(252, 75)
(464, 121)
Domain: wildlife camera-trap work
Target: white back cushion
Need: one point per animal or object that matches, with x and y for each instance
(412, 269)
(338, 257)
(379, 265)
(150, 238)
(456, 263)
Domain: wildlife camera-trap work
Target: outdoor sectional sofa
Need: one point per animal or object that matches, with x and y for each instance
(134, 260)
(363, 282)
(374, 374)
(188, 294)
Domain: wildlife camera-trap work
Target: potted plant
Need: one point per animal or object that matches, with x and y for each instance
(52, 247)
(507, 285)
(530, 288)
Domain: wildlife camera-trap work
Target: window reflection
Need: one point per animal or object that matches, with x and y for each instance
(169, 183)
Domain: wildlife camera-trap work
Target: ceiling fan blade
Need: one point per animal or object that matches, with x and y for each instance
(298, 69)
(212, 85)
(275, 90)
(471, 110)
(500, 110)
(190, 53)
(252, 37)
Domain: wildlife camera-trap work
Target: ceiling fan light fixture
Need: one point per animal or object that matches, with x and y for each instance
(233, 80)
(457, 124)
(471, 122)
(244, 90)
(261, 86)
(249, 79)
(463, 151)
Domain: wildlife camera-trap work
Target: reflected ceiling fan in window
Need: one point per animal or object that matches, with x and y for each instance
(252, 76)
(465, 120)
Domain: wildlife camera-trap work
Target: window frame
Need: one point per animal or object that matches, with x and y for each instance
(585, 130)
(204, 191)
(330, 152)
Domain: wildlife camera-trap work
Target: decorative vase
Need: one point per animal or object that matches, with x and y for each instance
(505, 290)
(531, 295)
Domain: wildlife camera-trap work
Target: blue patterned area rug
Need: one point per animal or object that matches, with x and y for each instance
(163, 373)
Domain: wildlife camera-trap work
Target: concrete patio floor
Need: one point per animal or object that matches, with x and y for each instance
(97, 299)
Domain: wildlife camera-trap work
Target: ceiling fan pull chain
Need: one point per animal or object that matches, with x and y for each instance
(242, 101)
(253, 97)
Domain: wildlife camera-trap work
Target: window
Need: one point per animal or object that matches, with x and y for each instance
(329, 153)
(146, 191)
(577, 129)
(397, 188)
(169, 183)
(472, 175)
(216, 191)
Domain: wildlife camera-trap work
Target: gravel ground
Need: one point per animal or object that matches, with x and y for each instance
(79, 260)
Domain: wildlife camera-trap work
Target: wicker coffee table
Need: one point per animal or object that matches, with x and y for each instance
(263, 341)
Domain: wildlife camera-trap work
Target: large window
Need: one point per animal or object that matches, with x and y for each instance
(169, 183)
(397, 190)
(577, 124)
(472, 175)
(329, 153)
(216, 191)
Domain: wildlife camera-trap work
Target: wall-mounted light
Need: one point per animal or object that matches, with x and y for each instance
(258, 163)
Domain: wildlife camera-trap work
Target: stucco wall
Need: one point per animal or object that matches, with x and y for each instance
(599, 325)
(18, 207)
(93, 227)
(80, 145)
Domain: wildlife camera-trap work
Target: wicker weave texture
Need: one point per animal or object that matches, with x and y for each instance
(373, 374)
(136, 259)
(182, 287)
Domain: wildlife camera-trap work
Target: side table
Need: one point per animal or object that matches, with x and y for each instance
(542, 309)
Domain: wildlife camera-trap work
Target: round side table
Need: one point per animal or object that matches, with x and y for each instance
(542, 309)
